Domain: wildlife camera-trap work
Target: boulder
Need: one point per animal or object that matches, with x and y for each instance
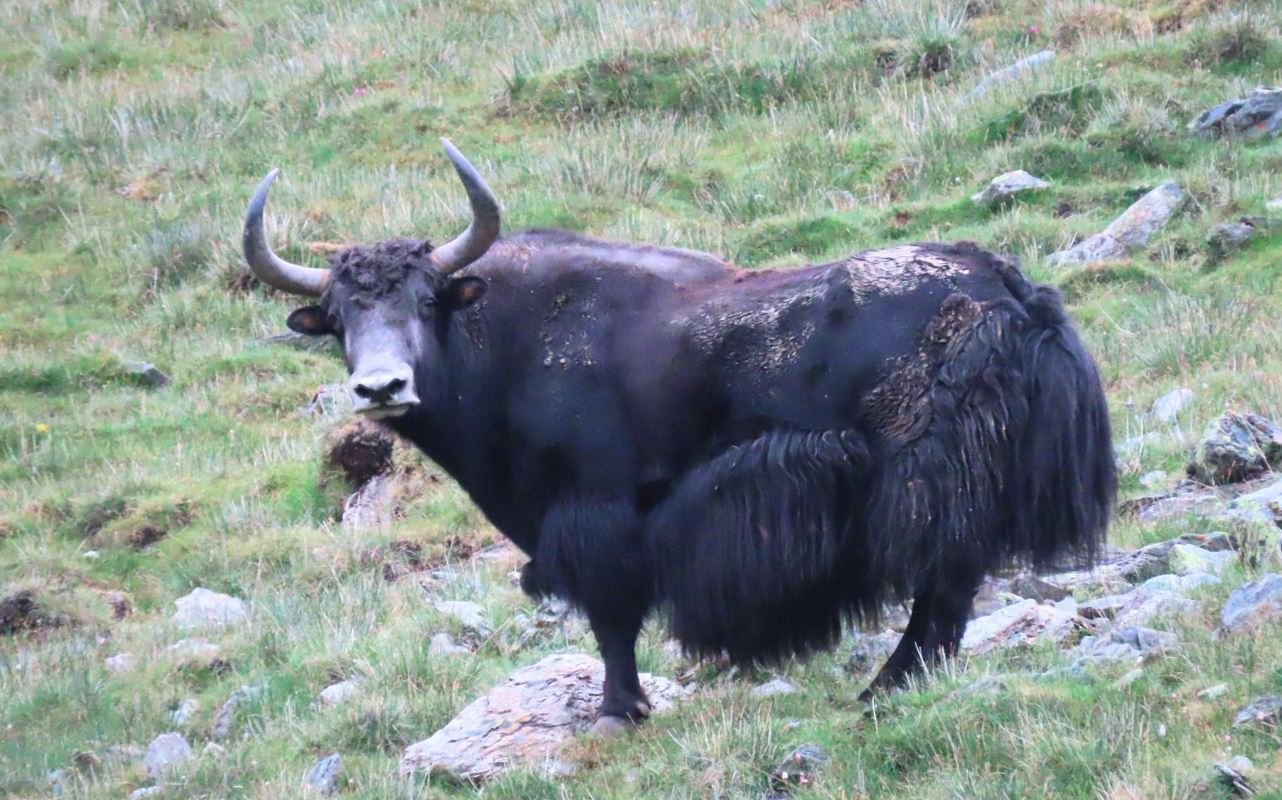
(338, 693)
(1129, 232)
(1124, 644)
(1166, 409)
(1230, 236)
(1007, 185)
(322, 776)
(1260, 506)
(201, 608)
(185, 710)
(1265, 712)
(166, 753)
(1257, 114)
(1255, 602)
(147, 373)
(226, 715)
(196, 651)
(1187, 559)
(1236, 447)
(528, 717)
(1020, 623)
(1145, 607)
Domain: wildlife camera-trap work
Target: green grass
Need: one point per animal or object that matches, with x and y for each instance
(774, 133)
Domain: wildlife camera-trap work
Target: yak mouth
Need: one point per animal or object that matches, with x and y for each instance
(384, 410)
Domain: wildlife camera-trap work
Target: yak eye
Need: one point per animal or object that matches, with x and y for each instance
(426, 305)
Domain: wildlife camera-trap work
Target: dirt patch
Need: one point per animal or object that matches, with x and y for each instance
(21, 612)
(360, 451)
(146, 535)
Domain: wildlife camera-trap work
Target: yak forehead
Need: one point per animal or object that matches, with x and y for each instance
(381, 269)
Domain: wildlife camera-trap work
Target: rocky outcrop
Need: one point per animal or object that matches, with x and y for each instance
(1129, 232)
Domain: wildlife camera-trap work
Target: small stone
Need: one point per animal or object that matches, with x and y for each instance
(1262, 712)
(1129, 232)
(1005, 186)
(148, 373)
(337, 693)
(90, 554)
(331, 401)
(1253, 603)
(121, 755)
(799, 769)
(145, 791)
(443, 644)
(1214, 692)
(57, 780)
(322, 777)
(119, 663)
(1129, 678)
(1166, 409)
(1261, 506)
(202, 608)
(371, 507)
(1274, 206)
(773, 687)
(166, 753)
(185, 711)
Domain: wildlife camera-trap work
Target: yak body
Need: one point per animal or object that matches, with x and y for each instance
(764, 454)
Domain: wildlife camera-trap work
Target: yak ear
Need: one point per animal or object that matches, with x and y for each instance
(462, 292)
(309, 320)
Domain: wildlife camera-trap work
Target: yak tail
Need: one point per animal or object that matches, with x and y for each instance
(1064, 470)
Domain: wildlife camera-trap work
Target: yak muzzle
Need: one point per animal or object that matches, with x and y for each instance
(383, 393)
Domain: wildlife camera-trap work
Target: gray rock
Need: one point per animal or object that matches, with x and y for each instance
(196, 651)
(1258, 114)
(226, 715)
(1129, 678)
(120, 662)
(1145, 607)
(443, 644)
(58, 782)
(1166, 409)
(301, 341)
(1006, 186)
(213, 750)
(1129, 232)
(1265, 712)
(1105, 607)
(529, 717)
(1124, 644)
(1236, 447)
(371, 507)
(1177, 584)
(331, 401)
(870, 650)
(1010, 73)
(201, 609)
(1262, 506)
(470, 617)
(338, 693)
(1017, 624)
(773, 687)
(185, 711)
(1214, 692)
(1187, 559)
(1230, 236)
(1274, 206)
(1035, 588)
(148, 373)
(1253, 603)
(145, 791)
(1236, 775)
(322, 777)
(799, 769)
(166, 753)
(1153, 479)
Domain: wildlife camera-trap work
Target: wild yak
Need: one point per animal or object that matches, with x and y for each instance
(764, 455)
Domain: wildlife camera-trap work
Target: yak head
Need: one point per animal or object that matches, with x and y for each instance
(388, 303)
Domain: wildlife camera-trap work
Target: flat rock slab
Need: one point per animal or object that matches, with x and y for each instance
(1019, 623)
(1255, 602)
(202, 608)
(1129, 232)
(528, 717)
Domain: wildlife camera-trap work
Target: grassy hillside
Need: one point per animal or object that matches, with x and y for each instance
(774, 133)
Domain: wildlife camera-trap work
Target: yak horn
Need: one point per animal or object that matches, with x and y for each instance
(270, 268)
(470, 245)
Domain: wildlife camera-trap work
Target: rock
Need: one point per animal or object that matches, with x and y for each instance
(1145, 607)
(121, 755)
(196, 651)
(185, 711)
(1261, 506)
(1017, 624)
(1187, 559)
(120, 662)
(371, 507)
(226, 715)
(870, 650)
(1010, 73)
(1166, 409)
(1035, 588)
(145, 791)
(1177, 584)
(331, 401)
(212, 750)
(799, 769)
(443, 644)
(1117, 571)
(202, 608)
(301, 341)
(526, 718)
(470, 616)
(1129, 232)
(1215, 541)
(1230, 236)
(1213, 692)
(337, 693)
(1236, 447)
(1128, 678)
(1274, 206)
(360, 450)
(147, 373)
(1005, 186)
(166, 753)
(1265, 712)
(1153, 479)
(58, 782)
(1105, 607)
(1236, 774)
(773, 687)
(1257, 114)
(1124, 644)
(1253, 603)
(322, 777)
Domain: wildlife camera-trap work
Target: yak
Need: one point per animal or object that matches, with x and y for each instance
(761, 456)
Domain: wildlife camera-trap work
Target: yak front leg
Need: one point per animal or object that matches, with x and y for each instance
(623, 701)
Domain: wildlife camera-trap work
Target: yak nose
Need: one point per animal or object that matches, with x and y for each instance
(384, 389)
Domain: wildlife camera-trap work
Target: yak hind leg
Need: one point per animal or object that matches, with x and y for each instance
(935, 629)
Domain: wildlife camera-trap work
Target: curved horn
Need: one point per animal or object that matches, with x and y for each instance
(270, 268)
(470, 245)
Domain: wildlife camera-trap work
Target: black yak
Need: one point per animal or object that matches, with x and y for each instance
(763, 455)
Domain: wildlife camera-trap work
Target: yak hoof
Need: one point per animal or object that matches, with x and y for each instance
(611, 727)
